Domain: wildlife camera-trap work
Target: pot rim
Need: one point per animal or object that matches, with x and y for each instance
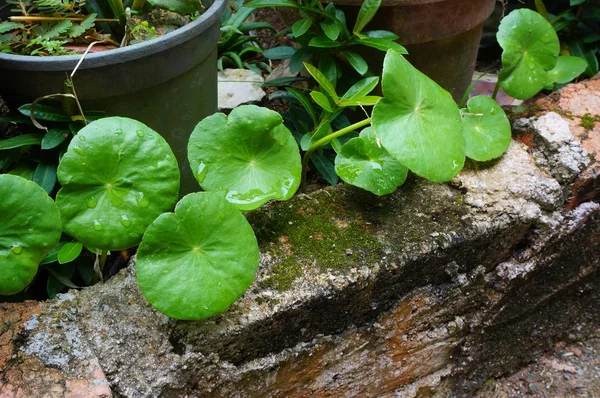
(118, 55)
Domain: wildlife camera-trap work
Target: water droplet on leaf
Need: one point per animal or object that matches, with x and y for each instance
(97, 225)
(125, 221)
(81, 137)
(92, 202)
(17, 249)
(201, 172)
(142, 201)
(140, 133)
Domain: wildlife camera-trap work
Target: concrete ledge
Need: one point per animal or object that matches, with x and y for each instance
(431, 290)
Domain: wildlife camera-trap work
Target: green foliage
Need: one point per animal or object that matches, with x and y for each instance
(49, 35)
(414, 113)
(195, 262)
(29, 227)
(486, 129)
(117, 176)
(531, 49)
(248, 157)
(364, 162)
(578, 28)
(324, 38)
(236, 47)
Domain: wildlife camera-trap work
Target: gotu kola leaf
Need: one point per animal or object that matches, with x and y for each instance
(29, 228)
(486, 129)
(248, 157)
(117, 176)
(195, 262)
(363, 162)
(418, 122)
(531, 49)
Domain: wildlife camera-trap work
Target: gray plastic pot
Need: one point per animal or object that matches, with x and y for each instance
(169, 83)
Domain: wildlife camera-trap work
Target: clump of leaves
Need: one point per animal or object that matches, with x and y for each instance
(45, 26)
(325, 39)
(578, 27)
(236, 47)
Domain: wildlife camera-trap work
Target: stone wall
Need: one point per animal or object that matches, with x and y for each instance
(429, 291)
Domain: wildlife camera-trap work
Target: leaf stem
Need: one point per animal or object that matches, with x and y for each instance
(324, 141)
(103, 257)
(496, 88)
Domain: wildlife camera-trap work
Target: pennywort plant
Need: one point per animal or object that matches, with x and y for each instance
(120, 179)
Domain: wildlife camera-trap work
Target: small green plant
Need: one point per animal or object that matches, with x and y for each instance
(578, 28)
(44, 27)
(325, 39)
(237, 48)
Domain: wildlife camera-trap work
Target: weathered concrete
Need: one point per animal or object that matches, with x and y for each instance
(426, 292)
(238, 87)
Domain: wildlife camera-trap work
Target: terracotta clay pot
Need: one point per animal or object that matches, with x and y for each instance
(442, 36)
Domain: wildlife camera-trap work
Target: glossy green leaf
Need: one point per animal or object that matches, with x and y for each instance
(323, 82)
(29, 227)
(45, 176)
(52, 255)
(248, 157)
(179, 6)
(301, 27)
(322, 100)
(69, 252)
(329, 68)
(364, 162)
(322, 41)
(331, 29)
(298, 59)
(358, 63)
(20, 140)
(486, 129)
(305, 102)
(382, 44)
(587, 52)
(361, 88)
(281, 52)
(576, 2)
(367, 11)
(531, 48)
(194, 263)
(418, 122)
(117, 176)
(567, 68)
(325, 167)
(45, 112)
(381, 34)
(54, 137)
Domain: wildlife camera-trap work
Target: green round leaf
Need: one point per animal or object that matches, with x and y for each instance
(531, 48)
(117, 176)
(486, 129)
(248, 158)
(418, 122)
(567, 68)
(363, 162)
(194, 263)
(29, 228)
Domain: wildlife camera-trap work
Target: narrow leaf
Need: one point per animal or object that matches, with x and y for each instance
(361, 88)
(301, 27)
(21, 140)
(367, 11)
(54, 137)
(323, 82)
(281, 52)
(45, 176)
(358, 62)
